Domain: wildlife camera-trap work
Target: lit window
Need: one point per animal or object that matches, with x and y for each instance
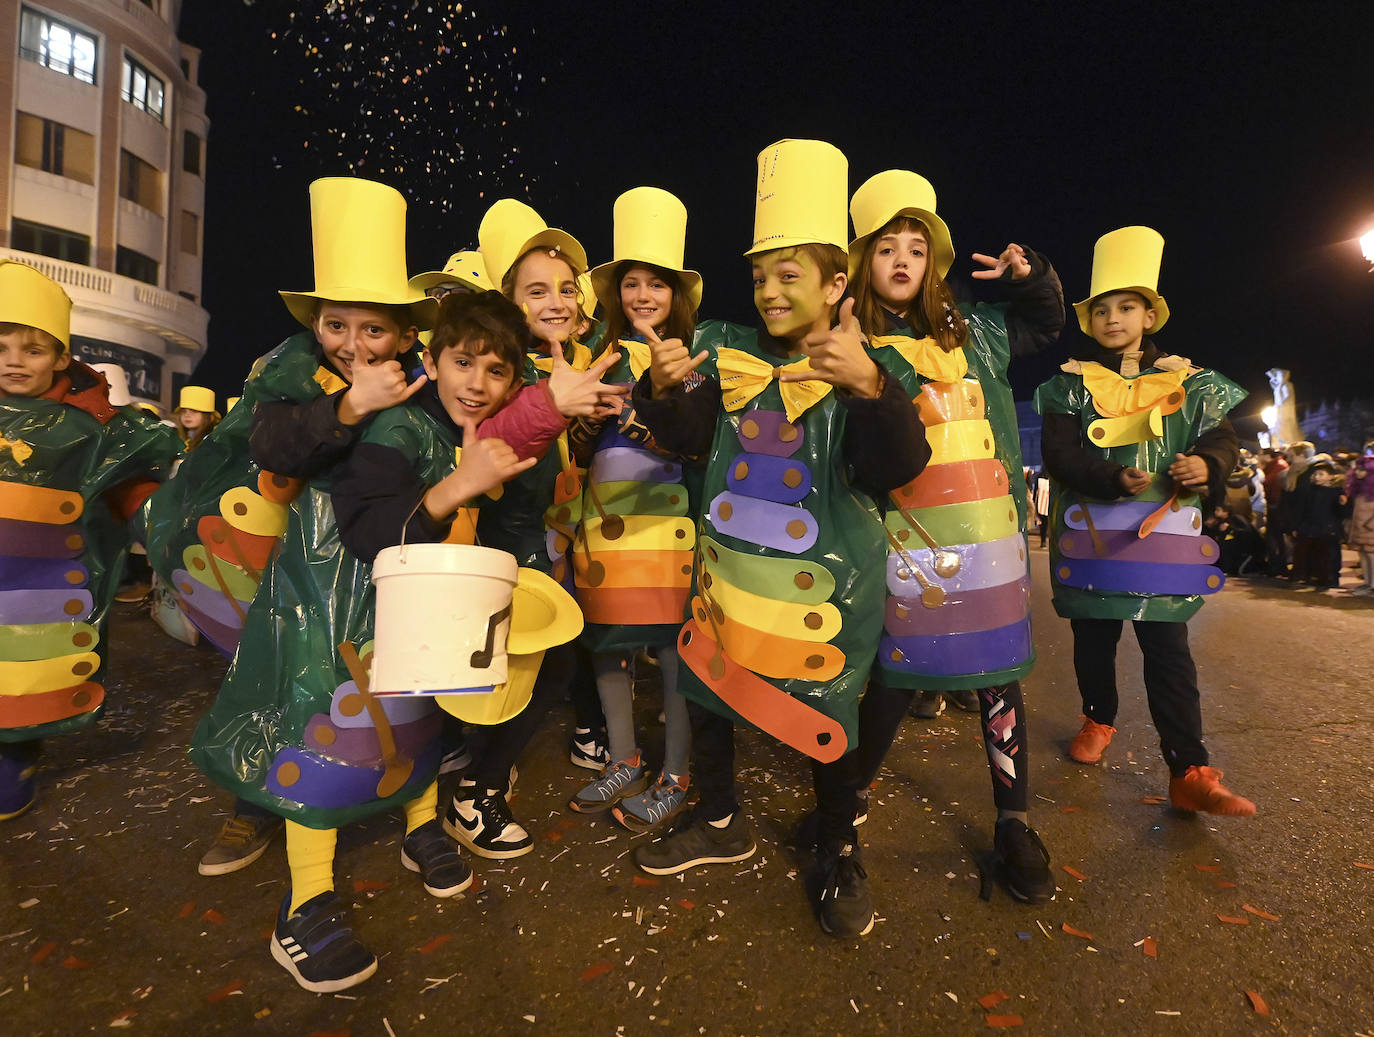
(142, 89)
(57, 45)
(54, 148)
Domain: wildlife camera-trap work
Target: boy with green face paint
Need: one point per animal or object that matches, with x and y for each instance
(805, 431)
(1132, 436)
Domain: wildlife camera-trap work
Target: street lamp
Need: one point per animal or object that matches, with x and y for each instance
(1367, 247)
(1270, 417)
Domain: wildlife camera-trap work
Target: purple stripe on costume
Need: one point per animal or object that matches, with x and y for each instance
(988, 564)
(208, 601)
(954, 654)
(40, 539)
(633, 464)
(40, 606)
(359, 746)
(225, 638)
(1138, 577)
(18, 572)
(318, 782)
(399, 709)
(1122, 545)
(783, 527)
(769, 432)
(1129, 514)
(611, 438)
(962, 612)
(778, 479)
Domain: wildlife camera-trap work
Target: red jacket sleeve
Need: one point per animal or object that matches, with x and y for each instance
(528, 424)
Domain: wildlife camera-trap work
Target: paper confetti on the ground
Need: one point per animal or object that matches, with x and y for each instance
(597, 970)
(1234, 919)
(1257, 1003)
(991, 1001)
(1076, 932)
(1070, 870)
(430, 946)
(1003, 1022)
(1208, 867)
(232, 987)
(1150, 947)
(1258, 913)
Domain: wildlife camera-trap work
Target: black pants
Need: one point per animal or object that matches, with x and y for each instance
(586, 700)
(880, 715)
(507, 740)
(1170, 683)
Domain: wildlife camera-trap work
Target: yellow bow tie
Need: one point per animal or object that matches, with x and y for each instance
(638, 355)
(581, 359)
(1117, 397)
(19, 450)
(743, 376)
(926, 357)
(329, 381)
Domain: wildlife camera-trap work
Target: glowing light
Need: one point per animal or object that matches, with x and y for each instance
(1367, 245)
(1270, 416)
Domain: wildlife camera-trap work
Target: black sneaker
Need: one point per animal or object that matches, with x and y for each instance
(1024, 862)
(845, 907)
(318, 948)
(429, 851)
(928, 705)
(697, 841)
(242, 839)
(589, 749)
(481, 821)
(861, 812)
(457, 757)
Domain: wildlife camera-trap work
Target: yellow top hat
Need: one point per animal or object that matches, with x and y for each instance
(359, 232)
(148, 408)
(650, 226)
(801, 194)
(465, 268)
(1126, 260)
(28, 297)
(511, 228)
(893, 193)
(196, 397)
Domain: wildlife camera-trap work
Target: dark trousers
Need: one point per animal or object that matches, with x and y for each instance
(586, 700)
(1170, 683)
(507, 740)
(1312, 560)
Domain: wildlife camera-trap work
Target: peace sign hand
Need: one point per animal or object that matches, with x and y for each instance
(375, 386)
(837, 356)
(582, 394)
(1013, 256)
(670, 361)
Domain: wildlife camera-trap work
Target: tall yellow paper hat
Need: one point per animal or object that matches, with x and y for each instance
(196, 397)
(650, 226)
(511, 228)
(465, 268)
(28, 297)
(359, 231)
(800, 198)
(1126, 260)
(893, 193)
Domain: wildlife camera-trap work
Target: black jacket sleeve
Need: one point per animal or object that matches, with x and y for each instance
(1071, 465)
(884, 441)
(1036, 314)
(684, 421)
(301, 440)
(375, 493)
(1220, 448)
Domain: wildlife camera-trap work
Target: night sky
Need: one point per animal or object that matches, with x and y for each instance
(1243, 133)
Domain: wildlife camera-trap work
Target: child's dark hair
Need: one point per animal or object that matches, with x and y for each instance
(398, 312)
(682, 318)
(483, 322)
(933, 312)
(831, 259)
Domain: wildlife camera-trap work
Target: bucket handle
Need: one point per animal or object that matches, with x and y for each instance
(401, 559)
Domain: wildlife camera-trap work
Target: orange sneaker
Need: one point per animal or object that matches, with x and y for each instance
(1200, 789)
(1088, 744)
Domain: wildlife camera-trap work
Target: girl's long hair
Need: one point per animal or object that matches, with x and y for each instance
(682, 319)
(933, 312)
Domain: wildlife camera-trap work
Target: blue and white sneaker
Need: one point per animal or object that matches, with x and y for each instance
(589, 749)
(318, 948)
(430, 852)
(617, 781)
(18, 765)
(659, 803)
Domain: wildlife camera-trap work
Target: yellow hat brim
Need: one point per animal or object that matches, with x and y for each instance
(1155, 300)
(424, 311)
(941, 244)
(603, 280)
(773, 244)
(542, 614)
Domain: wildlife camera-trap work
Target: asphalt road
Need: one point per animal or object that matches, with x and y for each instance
(105, 924)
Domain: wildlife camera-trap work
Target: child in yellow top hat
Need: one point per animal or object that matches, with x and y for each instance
(972, 496)
(1132, 436)
(195, 415)
(74, 468)
(805, 433)
(648, 292)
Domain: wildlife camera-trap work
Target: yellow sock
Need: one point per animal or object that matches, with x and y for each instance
(422, 808)
(310, 854)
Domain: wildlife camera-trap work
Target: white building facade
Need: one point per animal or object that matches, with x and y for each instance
(105, 188)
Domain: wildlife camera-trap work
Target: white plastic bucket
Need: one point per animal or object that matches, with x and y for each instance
(443, 615)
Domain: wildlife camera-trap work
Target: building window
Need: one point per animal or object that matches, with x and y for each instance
(190, 152)
(54, 148)
(142, 89)
(43, 240)
(190, 233)
(144, 370)
(129, 263)
(57, 45)
(139, 182)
